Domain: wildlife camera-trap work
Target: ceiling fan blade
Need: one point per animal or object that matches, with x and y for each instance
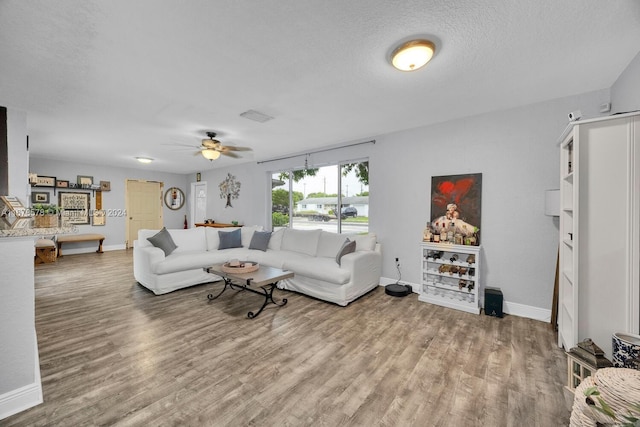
(229, 154)
(234, 148)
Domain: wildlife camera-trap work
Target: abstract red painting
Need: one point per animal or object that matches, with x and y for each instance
(456, 202)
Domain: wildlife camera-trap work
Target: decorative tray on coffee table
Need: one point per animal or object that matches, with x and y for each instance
(240, 267)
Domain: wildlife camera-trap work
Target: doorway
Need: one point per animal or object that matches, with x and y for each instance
(144, 208)
(198, 202)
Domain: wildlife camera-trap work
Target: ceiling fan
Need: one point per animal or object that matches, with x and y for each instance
(211, 148)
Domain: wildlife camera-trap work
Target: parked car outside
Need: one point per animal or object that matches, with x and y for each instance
(348, 211)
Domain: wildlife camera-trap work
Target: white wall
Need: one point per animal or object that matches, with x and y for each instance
(18, 154)
(20, 386)
(625, 92)
(115, 227)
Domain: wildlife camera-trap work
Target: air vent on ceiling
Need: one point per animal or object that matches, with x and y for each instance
(256, 116)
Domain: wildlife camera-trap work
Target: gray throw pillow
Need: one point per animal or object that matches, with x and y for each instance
(162, 239)
(260, 240)
(347, 248)
(230, 239)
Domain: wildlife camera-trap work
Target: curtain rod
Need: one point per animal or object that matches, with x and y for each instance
(373, 141)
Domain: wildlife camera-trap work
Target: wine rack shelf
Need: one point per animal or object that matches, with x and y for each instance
(449, 277)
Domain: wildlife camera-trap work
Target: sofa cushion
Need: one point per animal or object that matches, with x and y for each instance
(329, 244)
(182, 261)
(276, 239)
(303, 241)
(162, 239)
(347, 248)
(318, 268)
(213, 238)
(230, 239)
(191, 239)
(260, 240)
(364, 242)
(247, 234)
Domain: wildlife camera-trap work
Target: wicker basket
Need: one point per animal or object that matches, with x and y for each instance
(45, 221)
(243, 267)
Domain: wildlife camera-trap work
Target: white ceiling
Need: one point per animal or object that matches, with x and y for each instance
(105, 81)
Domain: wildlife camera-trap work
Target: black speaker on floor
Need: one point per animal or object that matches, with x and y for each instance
(493, 302)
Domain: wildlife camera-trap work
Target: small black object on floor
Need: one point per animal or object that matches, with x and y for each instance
(493, 302)
(397, 290)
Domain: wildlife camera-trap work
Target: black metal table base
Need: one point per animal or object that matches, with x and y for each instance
(267, 292)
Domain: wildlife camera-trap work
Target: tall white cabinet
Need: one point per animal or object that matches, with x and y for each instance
(599, 230)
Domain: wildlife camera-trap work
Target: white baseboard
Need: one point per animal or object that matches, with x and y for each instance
(18, 400)
(528, 311)
(24, 397)
(513, 308)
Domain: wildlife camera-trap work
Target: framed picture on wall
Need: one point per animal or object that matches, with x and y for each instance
(75, 207)
(455, 203)
(40, 197)
(99, 217)
(46, 181)
(85, 180)
(60, 183)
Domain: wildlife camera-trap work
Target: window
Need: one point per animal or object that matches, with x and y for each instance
(309, 198)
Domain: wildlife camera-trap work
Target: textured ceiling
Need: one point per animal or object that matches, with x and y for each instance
(105, 81)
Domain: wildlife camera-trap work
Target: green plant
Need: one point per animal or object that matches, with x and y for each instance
(44, 209)
(633, 409)
(278, 219)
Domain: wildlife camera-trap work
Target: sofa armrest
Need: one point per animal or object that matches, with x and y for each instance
(145, 257)
(365, 266)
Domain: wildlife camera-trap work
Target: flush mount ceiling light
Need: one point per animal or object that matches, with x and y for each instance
(210, 154)
(412, 55)
(144, 159)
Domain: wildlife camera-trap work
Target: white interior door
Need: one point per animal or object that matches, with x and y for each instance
(198, 202)
(144, 207)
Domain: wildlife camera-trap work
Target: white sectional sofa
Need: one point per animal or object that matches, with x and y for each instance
(309, 254)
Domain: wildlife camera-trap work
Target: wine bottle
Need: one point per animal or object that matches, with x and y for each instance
(454, 258)
(471, 259)
(437, 254)
(427, 234)
(451, 232)
(472, 272)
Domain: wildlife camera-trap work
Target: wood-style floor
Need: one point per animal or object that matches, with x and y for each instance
(112, 353)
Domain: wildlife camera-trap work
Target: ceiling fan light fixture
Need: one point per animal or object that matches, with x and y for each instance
(413, 55)
(144, 159)
(210, 154)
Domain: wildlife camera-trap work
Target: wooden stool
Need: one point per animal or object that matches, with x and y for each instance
(45, 251)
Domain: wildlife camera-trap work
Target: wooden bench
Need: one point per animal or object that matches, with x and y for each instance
(45, 251)
(74, 238)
